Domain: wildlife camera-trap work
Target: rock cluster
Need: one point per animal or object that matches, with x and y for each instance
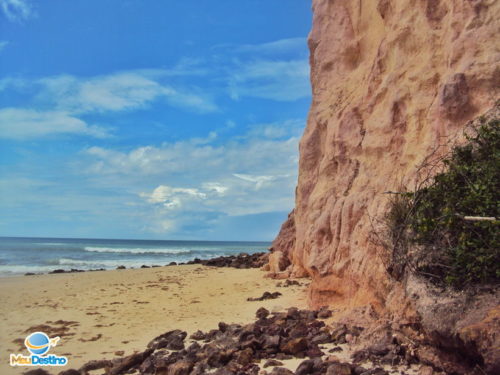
(242, 260)
(234, 349)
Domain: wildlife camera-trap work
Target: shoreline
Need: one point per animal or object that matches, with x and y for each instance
(241, 261)
(112, 314)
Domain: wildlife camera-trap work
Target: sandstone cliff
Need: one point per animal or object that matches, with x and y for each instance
(391, 81)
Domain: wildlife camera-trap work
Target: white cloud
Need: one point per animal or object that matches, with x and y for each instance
(191, 182)
(267, 79)
(23, 124)
(118, 92)
(16, 10)
(281, 46)
(3, 44)
(171, 197)
(259, 181)
(215, 187)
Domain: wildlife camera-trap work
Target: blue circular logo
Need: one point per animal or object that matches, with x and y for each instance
(37, 343)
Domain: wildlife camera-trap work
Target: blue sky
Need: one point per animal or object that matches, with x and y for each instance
(161, 119)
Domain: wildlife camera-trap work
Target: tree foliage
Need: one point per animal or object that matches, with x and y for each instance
(427, 226)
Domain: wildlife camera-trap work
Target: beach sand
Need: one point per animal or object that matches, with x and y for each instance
(105, 314)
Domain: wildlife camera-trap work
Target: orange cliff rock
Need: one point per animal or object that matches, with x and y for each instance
(391, 80)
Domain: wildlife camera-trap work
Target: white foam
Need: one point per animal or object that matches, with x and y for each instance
(137, 250)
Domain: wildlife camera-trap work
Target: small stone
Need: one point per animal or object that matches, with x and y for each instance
(180, 368)
(339, 369)
(272, 362)
(262, 313)
(37, 371)
(71, 371)
(294, 346)
(281, 371)
(198, 335)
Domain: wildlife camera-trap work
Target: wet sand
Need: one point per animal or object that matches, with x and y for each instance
(106, 314)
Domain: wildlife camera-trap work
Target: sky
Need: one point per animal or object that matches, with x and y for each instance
(151, 119)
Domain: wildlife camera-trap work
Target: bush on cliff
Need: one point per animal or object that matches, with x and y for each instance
(427, 228)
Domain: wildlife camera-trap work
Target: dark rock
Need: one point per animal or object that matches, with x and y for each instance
(144, 266)
(58, 271)
(293, 313)
(375, 371)
(309, 366)
(244, 357)
(262, 313)
(180, 368)
(294, 346)
(288, 283)
(283, 356)
(71, 371)
(281, 371)
(121, 267)
(358, 370)
(198, 335)
(129, 362)
(223, 371)
(256, 260)
(37, 371)
(222, 326)
(339, 369)
(378, 350)
(172, 264)
(265, 295)
(335, 349)
(338, 334)
(29, 274)
(272, 363)
(271, 342)
(314, 352)
(324, 313)
(173, 340)
(199, 368)
(391, 359)
(95, 365)
(321, 338)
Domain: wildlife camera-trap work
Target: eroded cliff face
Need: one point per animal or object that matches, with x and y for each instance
(391, 80)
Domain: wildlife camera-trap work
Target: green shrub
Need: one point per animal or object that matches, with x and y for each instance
(428, 229)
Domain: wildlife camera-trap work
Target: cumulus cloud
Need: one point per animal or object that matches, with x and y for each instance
(199, 181)
(171, 197)
(16, 10)
(21, 124)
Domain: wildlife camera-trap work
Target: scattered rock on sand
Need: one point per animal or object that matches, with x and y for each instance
(233, 349)
(266, 295)
(242, 260)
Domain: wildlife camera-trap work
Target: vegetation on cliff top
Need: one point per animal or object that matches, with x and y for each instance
(428, 229)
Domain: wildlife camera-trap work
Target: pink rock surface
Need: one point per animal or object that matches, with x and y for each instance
(391, 80)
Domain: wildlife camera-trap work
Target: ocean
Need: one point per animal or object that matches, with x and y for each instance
(42, 255)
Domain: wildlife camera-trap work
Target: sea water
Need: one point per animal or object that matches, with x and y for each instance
(35, 255)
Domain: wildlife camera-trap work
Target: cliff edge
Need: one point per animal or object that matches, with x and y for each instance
(391, 82)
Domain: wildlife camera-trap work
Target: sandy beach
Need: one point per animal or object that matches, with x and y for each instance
(106, 314)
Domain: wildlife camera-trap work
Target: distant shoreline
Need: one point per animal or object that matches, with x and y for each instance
(29, 256)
